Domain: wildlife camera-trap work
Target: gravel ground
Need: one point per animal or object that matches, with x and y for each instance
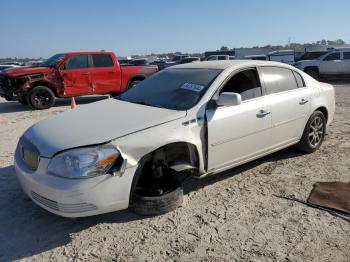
(233, 216)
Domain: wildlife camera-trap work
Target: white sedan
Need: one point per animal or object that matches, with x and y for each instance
(188, 120)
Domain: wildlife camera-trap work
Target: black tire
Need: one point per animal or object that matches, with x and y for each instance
(155, 197)
(157, 205)
(41, 97)
(313, 73)
(23, 100)
(133, 83)
(314, 133)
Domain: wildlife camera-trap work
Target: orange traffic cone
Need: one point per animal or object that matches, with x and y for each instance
(72, 103)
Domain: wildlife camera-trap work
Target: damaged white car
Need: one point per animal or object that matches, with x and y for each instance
(188, 120)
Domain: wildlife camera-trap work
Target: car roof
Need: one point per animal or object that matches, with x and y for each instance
(224, 64)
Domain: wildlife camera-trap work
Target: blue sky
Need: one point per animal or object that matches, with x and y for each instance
(39, 28)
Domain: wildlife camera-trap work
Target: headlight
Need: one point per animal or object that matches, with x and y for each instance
(84, 162)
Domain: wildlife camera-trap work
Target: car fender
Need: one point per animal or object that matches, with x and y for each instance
(135, 146)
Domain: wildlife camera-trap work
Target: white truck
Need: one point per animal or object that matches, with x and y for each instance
(332, 64)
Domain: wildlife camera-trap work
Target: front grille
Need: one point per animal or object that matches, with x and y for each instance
(65, 208)
(4, 83)
(29, 153)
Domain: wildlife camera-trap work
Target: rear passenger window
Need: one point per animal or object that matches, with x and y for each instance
(299, 79)
(77, 62)
(346, 55)
(278, 79)
(102, 60)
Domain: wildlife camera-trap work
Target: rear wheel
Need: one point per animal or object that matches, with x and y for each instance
(313, 73)
(313, 134)
(41, 97)
(133, 83)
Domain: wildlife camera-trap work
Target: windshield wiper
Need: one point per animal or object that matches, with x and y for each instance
(147, 104)
(139, 102)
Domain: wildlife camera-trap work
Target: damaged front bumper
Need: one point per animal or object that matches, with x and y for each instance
(10, 88)
(74, 197)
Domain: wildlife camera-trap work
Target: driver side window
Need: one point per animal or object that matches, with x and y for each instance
(246, 83)
(77, 62)
(333, 56)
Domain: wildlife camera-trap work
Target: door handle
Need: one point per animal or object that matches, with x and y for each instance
(303, 101)
(262, 113)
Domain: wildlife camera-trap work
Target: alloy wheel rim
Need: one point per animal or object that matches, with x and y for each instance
(42, 99)
(316, 131)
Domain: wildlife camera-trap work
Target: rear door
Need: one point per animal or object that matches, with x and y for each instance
(331, 64)
(290, 106)
(105, 75)
(76, 76)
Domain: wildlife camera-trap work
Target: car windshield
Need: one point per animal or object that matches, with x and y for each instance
(176, 89)
(53, 60)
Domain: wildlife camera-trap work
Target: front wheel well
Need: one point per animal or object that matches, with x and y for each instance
(166, 156)
(43, 83)
(313, 68)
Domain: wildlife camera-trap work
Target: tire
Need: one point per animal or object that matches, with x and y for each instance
(133, 83)
(313, 73)
(41, 97)
(23, 100)
(168, 196)
(313, 134)
(157, 205)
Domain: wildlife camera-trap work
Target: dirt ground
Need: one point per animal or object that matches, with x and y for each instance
(232, 216)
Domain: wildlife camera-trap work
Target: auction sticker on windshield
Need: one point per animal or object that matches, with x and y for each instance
(192, 87)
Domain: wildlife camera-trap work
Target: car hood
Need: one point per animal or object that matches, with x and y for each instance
(95, 123)
(21, 71)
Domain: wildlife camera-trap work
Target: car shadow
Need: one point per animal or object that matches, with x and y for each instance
(14, 106)
(195, 184)
(27, 229)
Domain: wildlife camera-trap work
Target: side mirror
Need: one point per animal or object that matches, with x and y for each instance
(229, 99)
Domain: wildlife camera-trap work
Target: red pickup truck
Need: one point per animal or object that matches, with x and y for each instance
(70, 74)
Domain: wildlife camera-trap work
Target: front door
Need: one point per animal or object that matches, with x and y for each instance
(331, 64)
(76, 76)
(241, 132)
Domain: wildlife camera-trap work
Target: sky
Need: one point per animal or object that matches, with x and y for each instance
(41, 28)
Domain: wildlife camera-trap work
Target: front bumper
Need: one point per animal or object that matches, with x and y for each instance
(74, 197)
(9, 88)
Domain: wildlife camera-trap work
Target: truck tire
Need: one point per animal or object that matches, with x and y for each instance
(313, 73)
(313, 134)
(41, 97)
(133, 83)
(151, 200)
